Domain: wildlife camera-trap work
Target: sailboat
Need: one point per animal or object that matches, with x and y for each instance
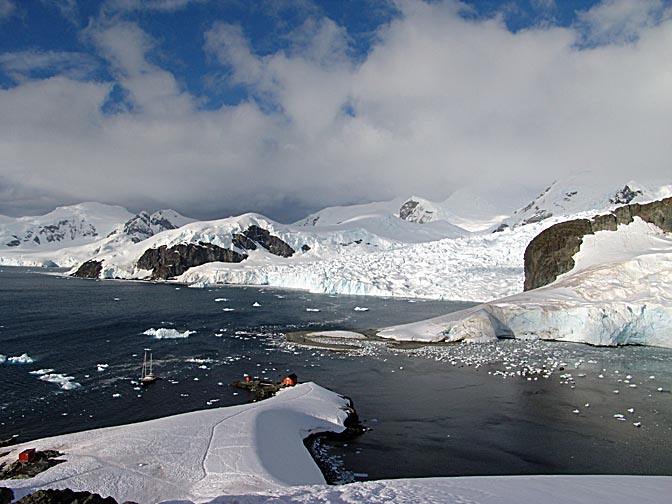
(147, 375)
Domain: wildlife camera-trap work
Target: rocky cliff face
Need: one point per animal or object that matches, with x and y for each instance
(551, 253)
(256, 235)
(165, 262)
(89, 269)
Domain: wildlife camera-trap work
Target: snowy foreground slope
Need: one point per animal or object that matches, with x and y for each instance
(254, 454)
(196, 456)
(619, 292)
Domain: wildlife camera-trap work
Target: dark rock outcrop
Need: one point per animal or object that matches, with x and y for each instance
(6, 495)
(273, 244)
(89, 269)
(551, 252)
(165, 262)
(42, 461)
(66, 496)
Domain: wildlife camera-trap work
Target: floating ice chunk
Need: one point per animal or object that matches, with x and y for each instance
(587, 405)
(42, 371)
(63, 381)
(631, 410)
(619, 416)
(3, 358)
(198, 285)
(312, 309)
(102, 367)
(576, 411)
(165, 333)
(637, 424)
(116, 395)
(220, 300)
(228, 309)
(256, 304)
(360, 308)
(21, 359)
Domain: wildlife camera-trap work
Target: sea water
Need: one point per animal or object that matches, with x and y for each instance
(429, 411)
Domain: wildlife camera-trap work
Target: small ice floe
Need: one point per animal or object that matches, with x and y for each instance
(117, 395)
(63, 381)
(194, 360)
(116, 299)
(615, 391)
(228, 309)
(631, 410)
(20, 359)
(221, 300)
(165, 333)
(102, 367)
(312, 309)
(619, 416)
(177, 288)
(279, 296)
(576, 411)
(256, 304)
(212, 401)
(360, 308)
(600, 376)
(628, 377)
(42, 371)
(652, 377)
(659, 389)
(587, 405)
(637, 424)
(197, 285)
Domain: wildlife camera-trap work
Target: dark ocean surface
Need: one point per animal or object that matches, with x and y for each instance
(429, 412)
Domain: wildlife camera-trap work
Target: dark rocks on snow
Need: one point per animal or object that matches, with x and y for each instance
(407, 208)
(89, 269)
(66, 496)
(42, 461)
(305, 248)
(165, 262)
(551, 252)
(273, 244)
(624, 196)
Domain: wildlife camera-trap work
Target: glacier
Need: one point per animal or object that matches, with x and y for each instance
(619, 292)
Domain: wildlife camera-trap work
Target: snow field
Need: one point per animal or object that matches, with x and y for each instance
(196, 456)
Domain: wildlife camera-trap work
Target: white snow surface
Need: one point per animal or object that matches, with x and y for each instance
(254, 454)
(619, 292)
(65, 226)
(196, 456)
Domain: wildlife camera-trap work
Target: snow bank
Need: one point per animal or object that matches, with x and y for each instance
(167, 333)
(619, 292)
(478, 490)
(196, 456)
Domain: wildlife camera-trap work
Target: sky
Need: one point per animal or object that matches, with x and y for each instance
(282, 107)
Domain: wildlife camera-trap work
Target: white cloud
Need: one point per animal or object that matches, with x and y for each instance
(7, 9)
(22, 64)
(439, 102)
(620, 20)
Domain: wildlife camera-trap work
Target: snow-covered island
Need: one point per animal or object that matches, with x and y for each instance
(254, 453)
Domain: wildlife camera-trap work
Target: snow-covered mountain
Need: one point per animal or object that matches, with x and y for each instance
(580, 193)
(414, 219)
(143, 225)
(618, 292)
(72, 234)
(63, 227)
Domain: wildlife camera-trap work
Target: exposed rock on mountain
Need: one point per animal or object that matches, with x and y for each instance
(574, 195)
(170, 262)
(90, 269)
(143, 225)
(551, 253)
(264, 238)
(64, 226)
